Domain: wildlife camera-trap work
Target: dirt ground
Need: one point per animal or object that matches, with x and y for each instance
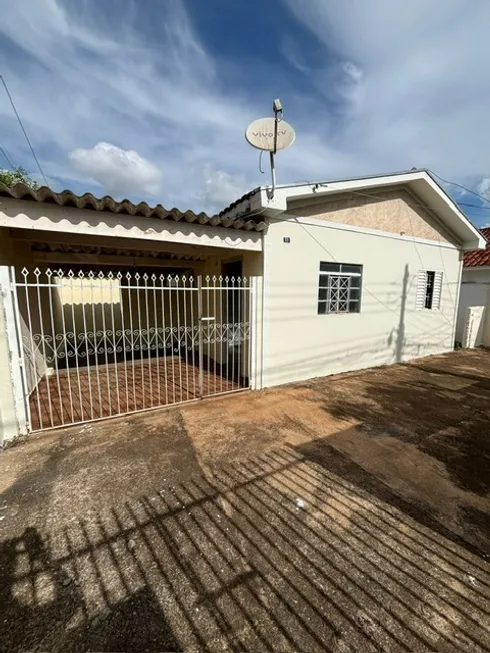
(350, 513)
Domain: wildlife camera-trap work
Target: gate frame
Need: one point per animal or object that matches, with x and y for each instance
(9, 291)
(11, 314)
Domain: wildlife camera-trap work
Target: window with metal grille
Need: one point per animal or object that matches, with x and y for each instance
(339, 289)
(429, 284)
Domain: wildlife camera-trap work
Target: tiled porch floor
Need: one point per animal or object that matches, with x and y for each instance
(87, 394)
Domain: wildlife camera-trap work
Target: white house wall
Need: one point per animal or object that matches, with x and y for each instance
(300, 344)
(475, 291)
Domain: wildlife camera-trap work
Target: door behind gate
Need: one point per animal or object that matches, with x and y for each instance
(97, 344)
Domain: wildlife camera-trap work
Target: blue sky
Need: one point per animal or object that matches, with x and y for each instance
(149, 99)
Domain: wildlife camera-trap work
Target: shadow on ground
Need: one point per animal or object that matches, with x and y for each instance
(441, 405)
(356, 520)
(273, 553)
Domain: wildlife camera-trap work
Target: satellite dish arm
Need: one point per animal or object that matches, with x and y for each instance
(275, 134)
(273, 175)
(277, 109)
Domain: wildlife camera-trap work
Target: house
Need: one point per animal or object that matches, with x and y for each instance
(111, 308)
(473, 323)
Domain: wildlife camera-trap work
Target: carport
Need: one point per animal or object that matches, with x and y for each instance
(112, 308)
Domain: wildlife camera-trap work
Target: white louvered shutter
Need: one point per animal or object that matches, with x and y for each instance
(421, 290)
(436, 295)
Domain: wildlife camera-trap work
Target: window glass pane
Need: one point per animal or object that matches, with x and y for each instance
(329, 267)
(322, 308)
(339, 288)
(429, 289)
(351, 268)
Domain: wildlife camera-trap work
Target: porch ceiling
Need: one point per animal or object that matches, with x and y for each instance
(49, 247)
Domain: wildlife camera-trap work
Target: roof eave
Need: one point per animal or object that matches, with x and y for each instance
(420, 181)
(22, 193)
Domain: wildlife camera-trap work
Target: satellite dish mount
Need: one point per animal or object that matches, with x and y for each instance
(271, 135)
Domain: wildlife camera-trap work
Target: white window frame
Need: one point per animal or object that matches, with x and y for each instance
(423, 288)
(337, 288)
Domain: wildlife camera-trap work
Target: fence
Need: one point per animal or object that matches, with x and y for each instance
(99, 343)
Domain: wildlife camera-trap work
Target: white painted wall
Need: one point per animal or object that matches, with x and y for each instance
(475, 291)
(300, 344)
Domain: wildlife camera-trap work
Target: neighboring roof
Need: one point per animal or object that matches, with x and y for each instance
(262, 202)
(479, 257)
(87, 201)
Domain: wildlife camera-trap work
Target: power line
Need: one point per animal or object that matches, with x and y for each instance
(365, 286)
(468, 190)
(23, 129)
(474, 206)
(7, 158)
(413, 202)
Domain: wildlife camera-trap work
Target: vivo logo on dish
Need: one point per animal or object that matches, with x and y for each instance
(280, 132)
(260, 134)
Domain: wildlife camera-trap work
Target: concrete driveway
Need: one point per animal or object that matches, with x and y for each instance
(343, 514)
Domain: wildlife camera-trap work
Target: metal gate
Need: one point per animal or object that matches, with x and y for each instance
(97, 344)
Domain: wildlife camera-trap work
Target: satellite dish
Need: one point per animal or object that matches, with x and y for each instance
(271, 134)
(261, 134)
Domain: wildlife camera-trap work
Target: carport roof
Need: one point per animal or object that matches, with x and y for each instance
(87, 201)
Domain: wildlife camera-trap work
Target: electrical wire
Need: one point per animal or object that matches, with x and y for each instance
(23, 129)
(474, 206)
(468, 190)
(365, 287)
(412, 238)
(328, 184)
(260, 162)
(413, 202)
(446, 181)
(7, 158)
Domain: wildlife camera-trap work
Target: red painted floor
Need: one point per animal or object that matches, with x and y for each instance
(115, 389)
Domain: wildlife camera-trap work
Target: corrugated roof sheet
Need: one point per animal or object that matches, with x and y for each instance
(479, 257)
(87, 201)
(241, 199)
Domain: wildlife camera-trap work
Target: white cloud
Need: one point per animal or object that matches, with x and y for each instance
(483, 188)
(221, 188)
(292, 52)
(423, 75)
(119, 171)
(87, 84)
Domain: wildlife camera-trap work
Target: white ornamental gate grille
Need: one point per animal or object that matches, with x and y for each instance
(97, 344)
